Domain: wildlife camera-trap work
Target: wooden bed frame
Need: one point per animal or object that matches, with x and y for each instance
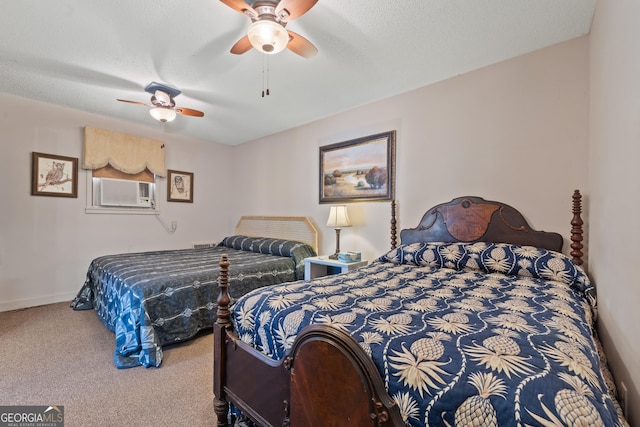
(327, 379)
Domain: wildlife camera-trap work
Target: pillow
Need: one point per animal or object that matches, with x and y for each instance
(266, 245)
(501, 258)
(262, 245)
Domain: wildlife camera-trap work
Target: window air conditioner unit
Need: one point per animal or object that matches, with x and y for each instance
(122, 192)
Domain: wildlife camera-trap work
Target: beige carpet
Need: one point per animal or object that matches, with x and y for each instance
(52, 355)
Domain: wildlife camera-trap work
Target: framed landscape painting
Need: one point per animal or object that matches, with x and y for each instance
(358, 170)
(53, 175)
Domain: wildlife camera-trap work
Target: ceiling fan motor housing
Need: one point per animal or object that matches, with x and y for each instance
(154, 86)
(162, 99)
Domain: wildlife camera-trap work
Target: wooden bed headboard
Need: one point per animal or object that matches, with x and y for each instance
(488, 221)
(474, 219)
(297, 228)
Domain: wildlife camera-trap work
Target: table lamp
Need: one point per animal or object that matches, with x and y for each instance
(338, 218)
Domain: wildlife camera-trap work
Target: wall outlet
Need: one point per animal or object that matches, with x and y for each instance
(623, 398)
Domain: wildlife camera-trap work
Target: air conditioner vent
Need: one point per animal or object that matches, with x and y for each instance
(201, 245)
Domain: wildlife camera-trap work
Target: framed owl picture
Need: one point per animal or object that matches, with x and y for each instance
(179, 186)
(53, 175)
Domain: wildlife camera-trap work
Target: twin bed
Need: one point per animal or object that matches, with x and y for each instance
(474, 319)
(151, 299)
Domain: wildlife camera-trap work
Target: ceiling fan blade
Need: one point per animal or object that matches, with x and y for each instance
(189, 112)
(135, 102)
(241, 7)
(288, 10)
(241, 46)
(301, 46)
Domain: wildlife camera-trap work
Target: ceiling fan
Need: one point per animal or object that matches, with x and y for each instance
(163, 107)
(268, 19)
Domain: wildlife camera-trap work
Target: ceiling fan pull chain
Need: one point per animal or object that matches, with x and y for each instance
(265, 59)
(267, 74)
(263, 56)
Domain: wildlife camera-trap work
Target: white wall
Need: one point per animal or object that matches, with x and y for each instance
(514, 132)
(614, 180)
(47, 243)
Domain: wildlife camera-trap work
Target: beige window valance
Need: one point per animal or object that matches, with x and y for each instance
(126, 153)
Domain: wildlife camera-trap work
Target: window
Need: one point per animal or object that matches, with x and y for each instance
(123, 171)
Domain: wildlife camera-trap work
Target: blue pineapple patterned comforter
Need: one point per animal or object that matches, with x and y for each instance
(459, 332)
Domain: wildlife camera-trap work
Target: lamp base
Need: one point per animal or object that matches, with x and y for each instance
(335, 255)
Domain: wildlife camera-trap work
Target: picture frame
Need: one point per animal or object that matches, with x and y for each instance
(53, 175)
(179, 186)
(358, 170)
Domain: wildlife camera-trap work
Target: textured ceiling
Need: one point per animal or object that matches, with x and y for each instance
(86, 53)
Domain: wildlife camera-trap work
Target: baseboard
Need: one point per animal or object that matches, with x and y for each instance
(34, 302)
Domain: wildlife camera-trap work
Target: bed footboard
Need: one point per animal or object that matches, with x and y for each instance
(334, 382)
(326, 379)
(255, 384)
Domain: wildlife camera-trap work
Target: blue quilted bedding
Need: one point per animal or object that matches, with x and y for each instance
(496, 333)
(150, 299)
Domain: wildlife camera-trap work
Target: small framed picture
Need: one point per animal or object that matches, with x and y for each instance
(179, 186)
(53, 175)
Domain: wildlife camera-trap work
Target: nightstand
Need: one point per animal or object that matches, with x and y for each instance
(319, 266)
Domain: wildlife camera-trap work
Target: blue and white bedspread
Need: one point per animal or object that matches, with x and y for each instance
(495, 333)
(150, 299)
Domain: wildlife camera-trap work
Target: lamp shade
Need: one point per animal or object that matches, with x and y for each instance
(338, 217)
(268, 36)
(163, 114)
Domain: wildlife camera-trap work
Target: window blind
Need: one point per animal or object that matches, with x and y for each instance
(127, 153)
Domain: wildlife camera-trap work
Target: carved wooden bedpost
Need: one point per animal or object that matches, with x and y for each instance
(223, 322)
(224, 299)
(576, 229)
(393, 225)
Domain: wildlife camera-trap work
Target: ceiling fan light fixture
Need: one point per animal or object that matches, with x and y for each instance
(268, 36)
(163, 114)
